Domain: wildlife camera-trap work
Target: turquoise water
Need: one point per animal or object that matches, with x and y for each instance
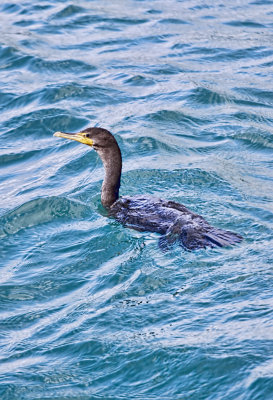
(90, 309)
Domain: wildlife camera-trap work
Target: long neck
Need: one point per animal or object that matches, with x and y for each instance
(111, 158)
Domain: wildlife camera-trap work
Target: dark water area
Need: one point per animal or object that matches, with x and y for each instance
(88, 308)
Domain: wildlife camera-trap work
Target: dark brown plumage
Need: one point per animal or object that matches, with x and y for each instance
(173, 220)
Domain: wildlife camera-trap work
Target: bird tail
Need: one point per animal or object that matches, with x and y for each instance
(220, 238)
(192, 239)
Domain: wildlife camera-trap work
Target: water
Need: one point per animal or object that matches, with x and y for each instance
(90, 309)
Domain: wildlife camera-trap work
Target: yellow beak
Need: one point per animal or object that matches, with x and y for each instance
(79, 137)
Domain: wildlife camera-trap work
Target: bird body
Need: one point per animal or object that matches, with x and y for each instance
(172, 220)
(152, 214)
(168, 218)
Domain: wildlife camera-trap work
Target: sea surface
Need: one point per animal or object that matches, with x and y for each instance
(89, 309)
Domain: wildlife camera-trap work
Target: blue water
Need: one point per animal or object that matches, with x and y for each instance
(90, 309)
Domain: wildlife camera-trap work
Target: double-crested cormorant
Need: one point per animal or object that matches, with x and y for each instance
(173, 220)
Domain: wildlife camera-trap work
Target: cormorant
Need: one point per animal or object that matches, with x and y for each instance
(172, 220)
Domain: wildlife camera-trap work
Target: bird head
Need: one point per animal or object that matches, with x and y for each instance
(98, 138)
